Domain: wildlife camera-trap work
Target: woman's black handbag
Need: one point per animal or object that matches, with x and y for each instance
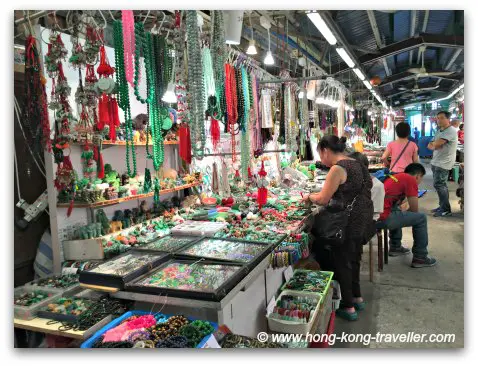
(331, 223)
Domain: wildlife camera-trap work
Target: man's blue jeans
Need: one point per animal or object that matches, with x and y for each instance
(440, 178)
(399, 219)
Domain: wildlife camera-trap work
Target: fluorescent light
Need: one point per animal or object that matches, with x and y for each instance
(367, 84)
(322, 27)
(269, 60)
(170, 96)
(251, 50)
(359, 74)
(345, 56)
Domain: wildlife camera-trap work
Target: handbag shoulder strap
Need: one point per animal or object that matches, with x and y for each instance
(399, 156)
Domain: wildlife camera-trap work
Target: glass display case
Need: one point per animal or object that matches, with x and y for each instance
(169, 243)
(229, 250)
(199, 279)
(124, 268)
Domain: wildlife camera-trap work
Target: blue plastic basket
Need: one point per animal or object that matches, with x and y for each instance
(92, 340)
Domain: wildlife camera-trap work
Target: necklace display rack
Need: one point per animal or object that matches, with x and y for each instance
(59, 224)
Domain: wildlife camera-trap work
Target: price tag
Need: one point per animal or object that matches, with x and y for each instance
(288, 273)
(211, 343)
(270, 306)
(69, 270)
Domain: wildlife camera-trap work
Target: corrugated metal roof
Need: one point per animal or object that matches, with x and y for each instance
(439, 20)
(401, 25)
(356, 27)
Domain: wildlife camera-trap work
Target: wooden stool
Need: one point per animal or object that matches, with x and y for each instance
(380, 250)
(386, 247)
(370, 270)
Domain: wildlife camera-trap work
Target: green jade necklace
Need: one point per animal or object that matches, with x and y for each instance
(157, 115)
(123, 95)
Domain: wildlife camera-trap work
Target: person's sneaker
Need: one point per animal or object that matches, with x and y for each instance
(395, 252)
(423, 262)
(436, 209)
(441, 213)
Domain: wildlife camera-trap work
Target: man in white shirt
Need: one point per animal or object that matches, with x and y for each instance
(444, 157)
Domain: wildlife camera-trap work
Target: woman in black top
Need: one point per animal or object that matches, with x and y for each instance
(346, 180)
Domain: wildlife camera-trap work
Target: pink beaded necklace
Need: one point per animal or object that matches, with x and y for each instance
(129, 43)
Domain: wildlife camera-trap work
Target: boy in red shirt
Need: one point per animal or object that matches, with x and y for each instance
(397, 188)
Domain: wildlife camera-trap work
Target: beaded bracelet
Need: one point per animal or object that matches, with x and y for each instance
(173, 342)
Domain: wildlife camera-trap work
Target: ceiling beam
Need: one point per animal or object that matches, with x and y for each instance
(375, 30)
(453, 58)
(425, 21)
(408, 75)
(429, 40)
(342, 41)
(413, 23)
(378, 39)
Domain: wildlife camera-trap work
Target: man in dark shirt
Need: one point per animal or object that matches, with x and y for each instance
(397, 188)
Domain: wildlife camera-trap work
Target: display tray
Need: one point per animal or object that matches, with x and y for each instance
(195, 279)
(198, 228)
(290, 326)
(55, 283)
(116, 272)
(169, 243)
(302, 278)
(114, 323)
(279, 238)
(45, 313)
(228, 250)
(28, 312)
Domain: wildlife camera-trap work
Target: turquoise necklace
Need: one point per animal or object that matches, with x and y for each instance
(123, 95)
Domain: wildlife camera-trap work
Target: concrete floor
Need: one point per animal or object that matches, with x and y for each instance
(424, 300)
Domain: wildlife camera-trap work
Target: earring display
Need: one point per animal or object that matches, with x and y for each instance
(195, 279)
(169, 243)
(228, 250)
(116, 272)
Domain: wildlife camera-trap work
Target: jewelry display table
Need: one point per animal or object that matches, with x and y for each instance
(242, 309)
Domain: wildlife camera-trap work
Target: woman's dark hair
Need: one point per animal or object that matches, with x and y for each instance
(333, 143)
(461, 126)
(360, 158)
(403, 130)
(447, 114)
(415, 169)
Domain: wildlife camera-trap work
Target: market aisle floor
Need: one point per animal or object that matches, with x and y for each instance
(425, 300)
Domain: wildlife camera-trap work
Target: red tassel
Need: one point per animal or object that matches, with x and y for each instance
(114, 106)
(70, 208)
(249, 173)
(103, 113)
(185, 143)
(261, 197)
(215, 133)
(111, 120)
(95, 153)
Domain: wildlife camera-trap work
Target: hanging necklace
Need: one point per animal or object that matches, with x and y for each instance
(129, 43)
(245, 156)
(196, 84)
(123, 95)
